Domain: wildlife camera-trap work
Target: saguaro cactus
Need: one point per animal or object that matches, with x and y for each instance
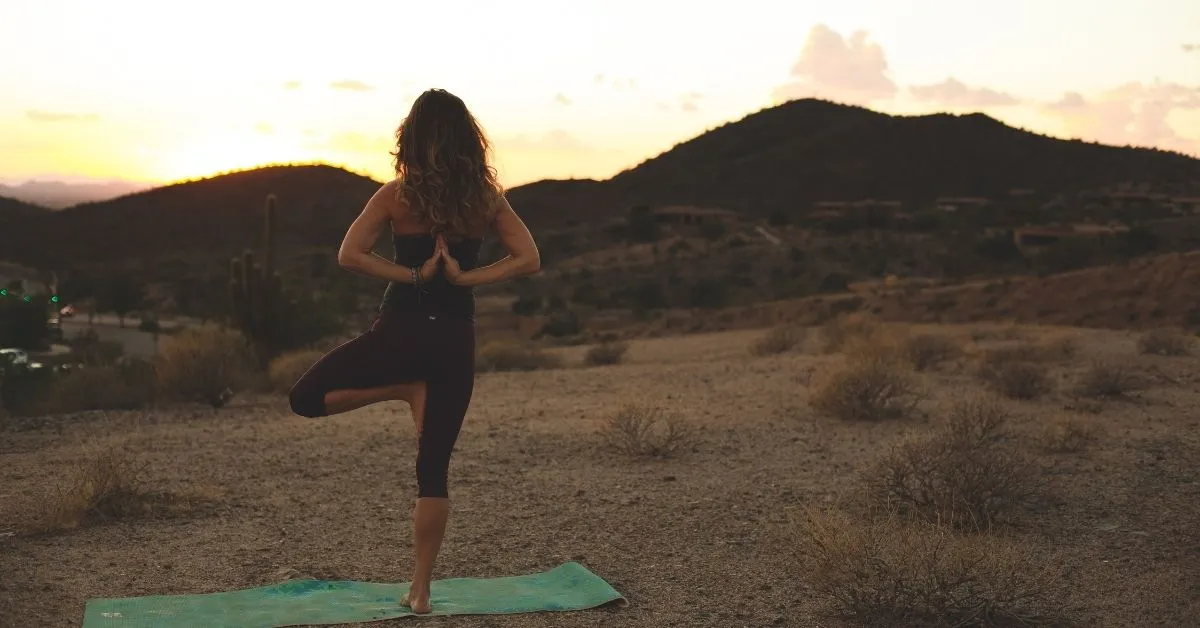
(257, 292)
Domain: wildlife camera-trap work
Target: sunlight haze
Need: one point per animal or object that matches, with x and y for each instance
(155, 92)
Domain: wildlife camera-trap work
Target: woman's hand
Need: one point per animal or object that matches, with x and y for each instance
(450, 265)
(430, 268)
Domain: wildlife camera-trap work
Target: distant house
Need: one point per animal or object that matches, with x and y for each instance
(1126, 200)
(859, 207)
(693, 216)
(1186, 206)
(1031, 240)
(959, 203)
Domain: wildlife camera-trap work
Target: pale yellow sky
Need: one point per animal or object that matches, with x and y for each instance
(155, 91)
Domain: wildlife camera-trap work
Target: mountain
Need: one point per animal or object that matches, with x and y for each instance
(58, 194)
(786, 157)
(780, 159)
(219, 215)
(11, 208)
(809, 150)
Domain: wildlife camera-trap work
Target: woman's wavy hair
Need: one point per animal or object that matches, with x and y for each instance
(442, 165)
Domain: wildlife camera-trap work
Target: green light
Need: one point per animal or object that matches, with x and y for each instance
(3, 292)
(28, 298)
(54, 299)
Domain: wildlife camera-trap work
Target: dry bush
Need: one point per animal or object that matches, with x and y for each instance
(1165, 342)
(963, 473)
(868, 386)
(99, 388)
(284, 370)
(106, 484)
(779, 340)
(1016, 372)
(610, 352)
(1069, 436)
(1108, 379)
(892, 571)
(837, 332)
(1059, 347)
(207, 364)
(647, 430)
(926, 351)
(503, 356)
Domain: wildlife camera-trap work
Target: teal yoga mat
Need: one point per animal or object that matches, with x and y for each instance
(568, 587)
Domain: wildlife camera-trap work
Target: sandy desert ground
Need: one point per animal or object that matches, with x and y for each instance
(704, 538)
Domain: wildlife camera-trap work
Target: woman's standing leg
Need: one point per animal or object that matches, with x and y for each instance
(448, 395)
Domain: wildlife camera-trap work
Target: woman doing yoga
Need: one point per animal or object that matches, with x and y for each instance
(421, 347)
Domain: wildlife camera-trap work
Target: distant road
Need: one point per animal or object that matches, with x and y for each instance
(137, 343)
(131, 322)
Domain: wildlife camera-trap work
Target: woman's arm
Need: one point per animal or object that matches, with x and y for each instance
(356, 252)
(523, 257)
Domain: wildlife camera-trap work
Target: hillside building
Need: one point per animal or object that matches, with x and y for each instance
(686, 215)
(951, 204)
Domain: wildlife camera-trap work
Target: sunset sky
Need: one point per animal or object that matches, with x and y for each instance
(154, 91)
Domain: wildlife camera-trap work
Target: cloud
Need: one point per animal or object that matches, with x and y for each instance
(849, 69)
(354, 142)
(615, 82)
(1191, 47)
(264, 128)
(291, 85)
(561, 99)
(351, 86)
(1136, 114)
(557, 140)
(690, 102)
(38, 115)
(953, 92)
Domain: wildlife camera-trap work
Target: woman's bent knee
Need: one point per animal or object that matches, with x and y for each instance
(307, 400)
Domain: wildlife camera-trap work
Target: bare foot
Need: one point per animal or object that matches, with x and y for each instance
(418, 603)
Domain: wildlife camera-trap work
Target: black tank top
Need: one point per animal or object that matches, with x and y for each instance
(440, 297)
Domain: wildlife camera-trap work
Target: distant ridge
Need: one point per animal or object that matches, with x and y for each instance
(780, 159)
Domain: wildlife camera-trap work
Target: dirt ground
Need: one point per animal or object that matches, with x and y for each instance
(701, 539)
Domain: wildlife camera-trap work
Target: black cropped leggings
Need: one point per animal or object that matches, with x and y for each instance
(405, 347)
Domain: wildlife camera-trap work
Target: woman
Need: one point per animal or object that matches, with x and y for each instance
(421, 347)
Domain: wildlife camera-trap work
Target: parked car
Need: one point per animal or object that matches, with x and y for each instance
(18, 358)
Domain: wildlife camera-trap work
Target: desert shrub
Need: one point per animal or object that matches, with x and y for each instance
(892, 571)
(1108, 379)
(866, 387)
(1165, 342)
(647, 430)
(707, 293)
(837, 332)
(86, 347)
(778, 340)
(126, 386)
(207, 364)
(963, 473)
(23, 324)
(1017, 372)
(1058, 347)
(106, 484)
(527, 304)
(926, 351)
(514, 357)
(562, 322)
(284, 370)
(1068, 436)
(610, 352)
